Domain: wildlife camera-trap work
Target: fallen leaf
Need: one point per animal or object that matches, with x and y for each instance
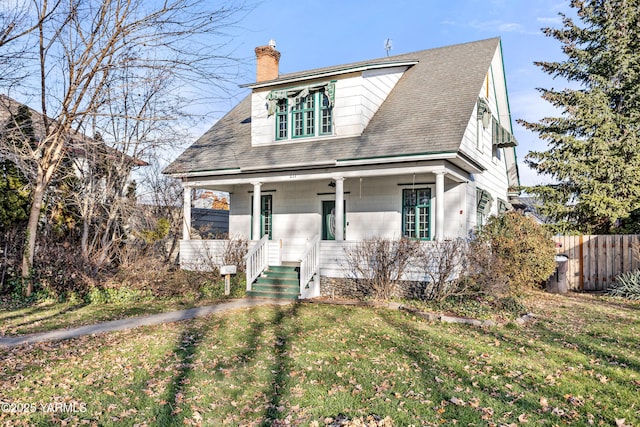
(544, 403)
(522, 418)
(456, 401)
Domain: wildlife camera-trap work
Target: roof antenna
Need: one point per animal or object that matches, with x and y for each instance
(388, 46)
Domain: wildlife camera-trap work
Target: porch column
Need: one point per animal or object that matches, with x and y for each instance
(257, 209)
(339, 231)
(186, 213)
(439, 205)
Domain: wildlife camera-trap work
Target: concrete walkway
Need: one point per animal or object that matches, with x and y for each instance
(134, 322)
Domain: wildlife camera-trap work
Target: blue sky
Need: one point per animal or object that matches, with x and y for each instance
(314, 33)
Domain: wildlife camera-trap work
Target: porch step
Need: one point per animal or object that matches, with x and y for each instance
(278, 282)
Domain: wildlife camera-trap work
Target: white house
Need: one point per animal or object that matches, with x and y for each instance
(417, 145)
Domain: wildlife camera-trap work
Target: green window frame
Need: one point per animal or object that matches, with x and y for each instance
(502, 206)
(282, 120)
(416, 213)
(483, 207)
(305, 117)
(326, 115)
(266, 216)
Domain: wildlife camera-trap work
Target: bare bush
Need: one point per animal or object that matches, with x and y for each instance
(377, 264)
(486, 271)
(444, 264)
(234, 251)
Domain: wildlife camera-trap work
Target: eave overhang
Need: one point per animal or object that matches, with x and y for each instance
(321, 74)
(458, 159)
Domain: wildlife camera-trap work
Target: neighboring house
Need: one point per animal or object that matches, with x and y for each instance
(528, 206)
(417, 145)
(81, 151)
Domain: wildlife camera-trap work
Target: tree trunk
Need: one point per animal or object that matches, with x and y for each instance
(31, 233)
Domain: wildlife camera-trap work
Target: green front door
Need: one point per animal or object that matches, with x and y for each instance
(329, 220)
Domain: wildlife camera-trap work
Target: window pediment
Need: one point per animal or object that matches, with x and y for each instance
(299, 92)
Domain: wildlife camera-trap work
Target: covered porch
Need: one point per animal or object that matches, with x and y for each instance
(300, 215)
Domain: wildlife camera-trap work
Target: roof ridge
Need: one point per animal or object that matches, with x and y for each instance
(371, 61)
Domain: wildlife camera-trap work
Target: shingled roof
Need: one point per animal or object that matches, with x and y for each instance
(426, 112)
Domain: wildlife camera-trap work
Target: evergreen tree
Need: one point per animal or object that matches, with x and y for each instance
(14, 187)
(593, 152)
(14, 195)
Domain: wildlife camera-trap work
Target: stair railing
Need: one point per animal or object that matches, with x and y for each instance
(309, 263)
(256, 260)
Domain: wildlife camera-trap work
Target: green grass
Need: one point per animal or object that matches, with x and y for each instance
(107, 304)
(578, 363)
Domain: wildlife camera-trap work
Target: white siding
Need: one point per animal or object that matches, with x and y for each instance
(206, 255)
(373, 209)
(263, 128)
(240, 213)
(201, 255)
(357, 98)
(347, 109)
(333, 258)
(377, 86)
(333, 261)
(477, 143)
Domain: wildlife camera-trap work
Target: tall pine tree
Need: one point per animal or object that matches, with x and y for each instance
(593, 148)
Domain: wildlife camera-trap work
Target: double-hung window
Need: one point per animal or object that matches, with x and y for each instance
(304, 117)
(416, 213)
(326, 115)
(282, 122)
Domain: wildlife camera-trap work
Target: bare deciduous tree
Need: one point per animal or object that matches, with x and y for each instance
(122, 65)
(15, 24)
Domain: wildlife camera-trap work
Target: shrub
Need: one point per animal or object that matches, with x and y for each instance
(627, 285)
(444, 262)
(117, 295)
(234, 251)
(377, 264)
(511, 253)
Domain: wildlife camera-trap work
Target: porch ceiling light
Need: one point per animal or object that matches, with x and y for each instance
(332, 184)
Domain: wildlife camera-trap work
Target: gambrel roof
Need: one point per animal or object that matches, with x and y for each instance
(427, 112)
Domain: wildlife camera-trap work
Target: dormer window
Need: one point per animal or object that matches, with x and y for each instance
(302, 112)
(304, 116)
(282, 122)
(326, 116)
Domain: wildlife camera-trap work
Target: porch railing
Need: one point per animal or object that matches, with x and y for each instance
(257, 260)
(309, 263)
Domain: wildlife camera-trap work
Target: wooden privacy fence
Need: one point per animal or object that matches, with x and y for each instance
(595, 261)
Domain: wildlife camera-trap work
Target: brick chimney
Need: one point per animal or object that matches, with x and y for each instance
(267, 60)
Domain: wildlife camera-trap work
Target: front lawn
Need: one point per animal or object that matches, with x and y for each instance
(311, 364)
(178, 291)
